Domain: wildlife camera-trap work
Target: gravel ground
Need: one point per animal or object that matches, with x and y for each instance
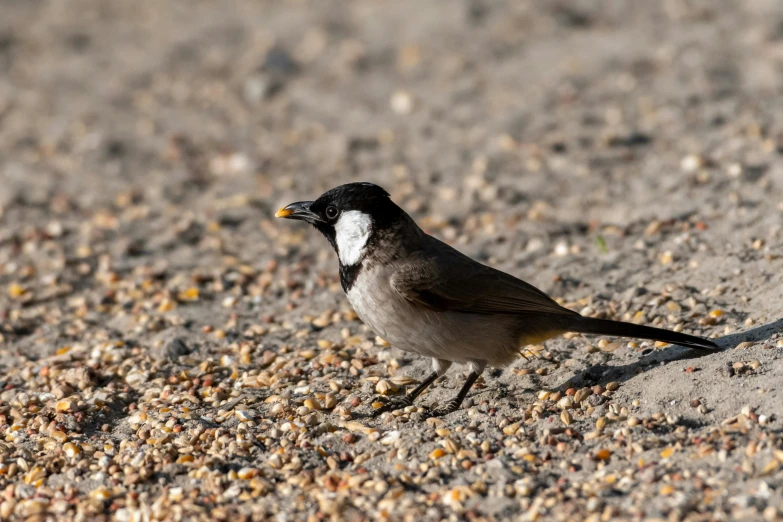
(170, 351)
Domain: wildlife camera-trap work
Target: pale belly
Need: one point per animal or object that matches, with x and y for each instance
(451, 336)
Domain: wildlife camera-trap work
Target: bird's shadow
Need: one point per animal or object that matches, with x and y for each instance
(603, 373)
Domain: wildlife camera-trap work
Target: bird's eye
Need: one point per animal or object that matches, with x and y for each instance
(331, 212)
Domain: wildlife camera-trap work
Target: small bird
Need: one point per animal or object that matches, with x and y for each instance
(425, 297)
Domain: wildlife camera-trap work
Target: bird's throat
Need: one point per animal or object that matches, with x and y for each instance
(348, 275)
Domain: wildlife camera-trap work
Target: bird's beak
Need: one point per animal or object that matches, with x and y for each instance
(299, 210)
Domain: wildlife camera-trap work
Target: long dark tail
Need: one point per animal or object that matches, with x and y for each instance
(621, 329)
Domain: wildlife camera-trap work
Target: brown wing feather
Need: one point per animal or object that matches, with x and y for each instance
(441, 278)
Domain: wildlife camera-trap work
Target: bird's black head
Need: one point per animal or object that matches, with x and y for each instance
(351, 217)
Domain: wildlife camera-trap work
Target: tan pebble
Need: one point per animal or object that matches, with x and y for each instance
(35, 476)
(692, 162)
(385, 387)
(321, 322)
(313, 404)
(356, 426)
(100, 493)
(247, 473)
(59, 436)
(612, 386)
(191, 294)
(566, 417)
(330, 401)
(673, 307)
(15, 290)
(601, 423)
(450, 446)
(566, 403)
(65, 405)
(401, 102)
(582, 394)
(402, 380)
(71, 450)
(511, 429)
(242, 415)
(7, 509)
(167, 305)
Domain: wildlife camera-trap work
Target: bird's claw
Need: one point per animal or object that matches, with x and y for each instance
(449, 407)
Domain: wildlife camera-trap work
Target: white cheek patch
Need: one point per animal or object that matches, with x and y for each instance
(351, 234)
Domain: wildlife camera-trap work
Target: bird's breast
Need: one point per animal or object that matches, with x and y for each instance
(377, 304)
(452, 336)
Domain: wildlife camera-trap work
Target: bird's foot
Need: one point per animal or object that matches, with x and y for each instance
(393, 404)
(450, 407)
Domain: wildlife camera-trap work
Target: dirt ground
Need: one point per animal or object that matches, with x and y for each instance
(170, 351)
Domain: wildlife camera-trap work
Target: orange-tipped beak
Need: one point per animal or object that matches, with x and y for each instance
(299, 210)
(284, 212)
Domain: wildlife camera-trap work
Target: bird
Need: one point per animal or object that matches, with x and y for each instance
(423, 296)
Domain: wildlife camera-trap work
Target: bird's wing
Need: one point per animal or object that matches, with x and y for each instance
(442, 279)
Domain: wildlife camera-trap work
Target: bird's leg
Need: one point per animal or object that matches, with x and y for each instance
(454, 404)
(439, 367)
(476, 368)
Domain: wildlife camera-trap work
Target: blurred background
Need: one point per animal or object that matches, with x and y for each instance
(520, 126)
